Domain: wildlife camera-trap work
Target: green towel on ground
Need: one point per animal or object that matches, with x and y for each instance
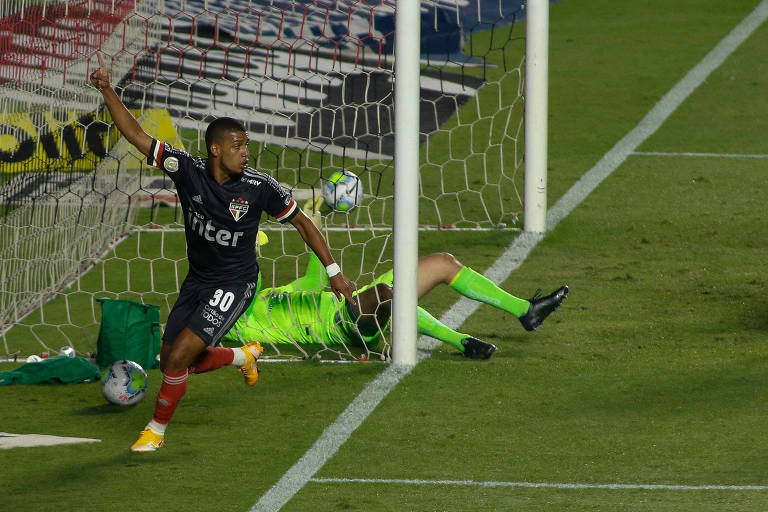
(58, 370)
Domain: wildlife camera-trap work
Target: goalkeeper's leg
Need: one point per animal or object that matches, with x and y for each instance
(375, 311)
(444, 268)
(467, 345)
(438, 268)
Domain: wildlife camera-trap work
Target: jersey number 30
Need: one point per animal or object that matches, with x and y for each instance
(221, 299)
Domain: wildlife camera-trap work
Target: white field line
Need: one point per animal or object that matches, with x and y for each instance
(548, 485)
(8, 440)
(374, 392)
(700, 155)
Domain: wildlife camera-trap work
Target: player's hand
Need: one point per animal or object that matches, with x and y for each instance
(343, 286)
(100, 77)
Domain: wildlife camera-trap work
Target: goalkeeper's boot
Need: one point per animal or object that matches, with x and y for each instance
(541, 307)
(250, 369)
(477, 349)
(148, 441)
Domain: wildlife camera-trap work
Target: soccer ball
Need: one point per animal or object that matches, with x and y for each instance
(124, 383)
(343, 191)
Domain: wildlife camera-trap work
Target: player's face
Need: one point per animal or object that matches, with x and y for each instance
(234, 153)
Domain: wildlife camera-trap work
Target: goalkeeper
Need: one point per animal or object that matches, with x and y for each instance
(301, 312)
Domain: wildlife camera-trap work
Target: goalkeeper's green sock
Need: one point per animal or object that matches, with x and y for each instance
(478, 287)
(431, 326)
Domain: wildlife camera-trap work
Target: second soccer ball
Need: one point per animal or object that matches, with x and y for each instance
(124, 383)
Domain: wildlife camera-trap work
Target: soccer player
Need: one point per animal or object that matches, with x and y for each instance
(222, 200)
(301, 312)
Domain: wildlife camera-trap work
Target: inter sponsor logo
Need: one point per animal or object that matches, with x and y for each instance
(204, 228)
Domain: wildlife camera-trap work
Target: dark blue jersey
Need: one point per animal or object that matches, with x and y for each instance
(221, 221)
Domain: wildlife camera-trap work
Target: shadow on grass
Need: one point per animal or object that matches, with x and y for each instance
(101, 410)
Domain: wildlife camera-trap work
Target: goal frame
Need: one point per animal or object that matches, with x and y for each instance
(409, 69)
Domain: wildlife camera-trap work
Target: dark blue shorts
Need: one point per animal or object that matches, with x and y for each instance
(208, 310)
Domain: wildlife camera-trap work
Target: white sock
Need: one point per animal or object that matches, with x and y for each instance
(239, 359)
(157, 428)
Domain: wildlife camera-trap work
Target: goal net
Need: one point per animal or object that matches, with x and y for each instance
(83, 217)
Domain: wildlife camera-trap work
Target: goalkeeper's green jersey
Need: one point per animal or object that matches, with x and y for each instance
(280, 316)
(301, 312)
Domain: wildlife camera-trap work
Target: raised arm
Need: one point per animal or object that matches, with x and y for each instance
(314, 239)
(123, 119)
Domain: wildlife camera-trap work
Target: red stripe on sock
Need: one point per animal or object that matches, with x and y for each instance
(172, 390)
(212, 358)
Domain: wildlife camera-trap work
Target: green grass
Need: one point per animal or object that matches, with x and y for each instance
(653, 371)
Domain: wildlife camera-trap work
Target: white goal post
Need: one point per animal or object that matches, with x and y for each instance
(536, 91)
(406, 235)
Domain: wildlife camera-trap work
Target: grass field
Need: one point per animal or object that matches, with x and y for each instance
(652, 373)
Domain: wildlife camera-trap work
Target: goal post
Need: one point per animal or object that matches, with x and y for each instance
(406, 194)
(536, 91)
(317, 85)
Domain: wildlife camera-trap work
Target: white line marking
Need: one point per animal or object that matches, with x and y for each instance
(699, 155)
(8, 441)
(374, 392)
(550, 485)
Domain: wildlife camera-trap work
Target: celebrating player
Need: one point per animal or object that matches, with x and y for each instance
(222, 200)
(302, 313)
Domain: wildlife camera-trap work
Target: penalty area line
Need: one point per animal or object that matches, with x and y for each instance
(329, 442)
(547, 485)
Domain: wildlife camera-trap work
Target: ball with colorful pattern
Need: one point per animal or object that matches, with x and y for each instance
(343, 191)
(124, 383)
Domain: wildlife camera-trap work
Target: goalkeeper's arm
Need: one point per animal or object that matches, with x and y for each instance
(123, 119)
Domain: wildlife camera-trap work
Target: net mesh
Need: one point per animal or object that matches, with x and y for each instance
(82, 216)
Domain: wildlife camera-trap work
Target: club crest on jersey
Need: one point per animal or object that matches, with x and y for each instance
(238, 208)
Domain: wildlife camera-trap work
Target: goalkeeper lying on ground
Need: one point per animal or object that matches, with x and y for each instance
(301, 312)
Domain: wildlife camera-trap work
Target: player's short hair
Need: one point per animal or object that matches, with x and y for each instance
(218, 128)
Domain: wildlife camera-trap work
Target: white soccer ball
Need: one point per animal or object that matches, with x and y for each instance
(124, 383)
(67, 351)
(343, 191)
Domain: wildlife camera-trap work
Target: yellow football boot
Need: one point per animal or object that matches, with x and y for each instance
(250, 369)
(148, 441)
